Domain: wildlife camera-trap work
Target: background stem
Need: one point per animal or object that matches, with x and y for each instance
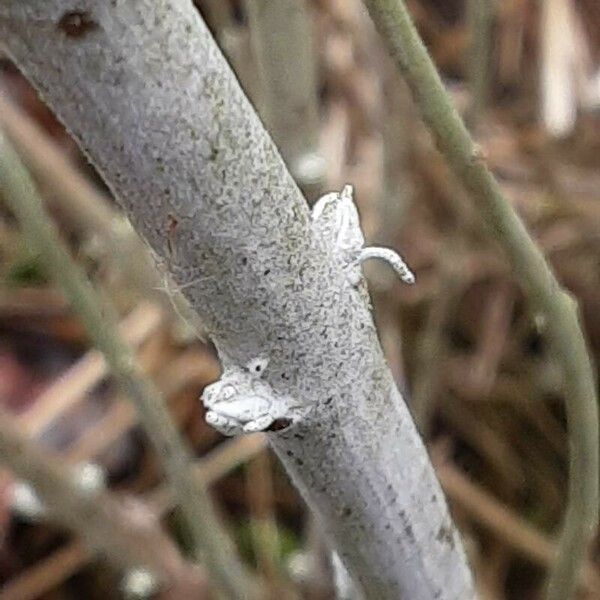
(557, 307)
(193, 167)
(98, 518)
(282, 39)
(209, 540)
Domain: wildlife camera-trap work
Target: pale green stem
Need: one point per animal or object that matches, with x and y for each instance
(531, 270)
(98, 318)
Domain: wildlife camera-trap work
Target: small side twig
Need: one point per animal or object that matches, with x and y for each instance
(557, 307)
(209, 540)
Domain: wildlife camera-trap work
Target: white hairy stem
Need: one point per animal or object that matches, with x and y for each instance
(144, 89)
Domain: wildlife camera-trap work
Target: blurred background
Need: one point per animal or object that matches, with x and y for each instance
(469, 355)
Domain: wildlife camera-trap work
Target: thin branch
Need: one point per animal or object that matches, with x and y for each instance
(101, 324)
(263, 523)
(282, 40)
(97, 518)
(71, 387)
(121, 416)
(480, 19)
(557, 307)
(433, 346)
(85, 206)
(216, 464)
(66, 561)
(46, 573)
(191, 164)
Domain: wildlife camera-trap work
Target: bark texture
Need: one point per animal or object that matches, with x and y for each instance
(144, 89)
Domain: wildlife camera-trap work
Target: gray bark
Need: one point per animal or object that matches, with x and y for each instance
(144, 89)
